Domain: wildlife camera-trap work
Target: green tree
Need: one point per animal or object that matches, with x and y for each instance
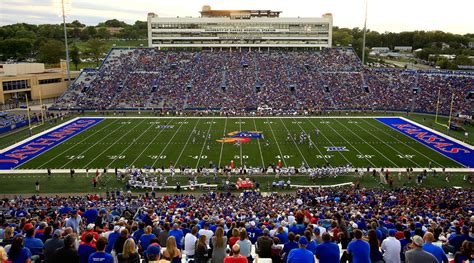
(51, 51)
(115, 23)
(95, 48)
(75, 56)
(18, 49)
(103, 33)
(75, 23)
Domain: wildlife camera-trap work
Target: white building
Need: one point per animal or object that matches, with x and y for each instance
(239, 29)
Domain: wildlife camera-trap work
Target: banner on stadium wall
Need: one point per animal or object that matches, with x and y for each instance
(28, 150)
(463, 154)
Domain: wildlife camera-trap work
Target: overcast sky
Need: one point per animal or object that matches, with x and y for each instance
(455, 16)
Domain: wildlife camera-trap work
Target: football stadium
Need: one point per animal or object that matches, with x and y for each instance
(234, 136)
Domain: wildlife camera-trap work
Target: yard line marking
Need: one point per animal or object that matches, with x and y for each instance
(115, 142)
(259, 147)
(74, 145)
(367, 143)
(189, 137)
(205, 140)
(240, 130)
(315, 146)
(222, 143)
(387, 145)
(373, 165)
(281, 154)
(151, 142)
(169, 141)
(297, 147)
(407, 144)
(130, 144)
(330, 143)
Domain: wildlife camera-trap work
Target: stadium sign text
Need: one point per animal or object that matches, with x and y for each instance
(32, 148)
(463, 154)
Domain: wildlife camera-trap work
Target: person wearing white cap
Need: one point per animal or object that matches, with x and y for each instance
(417, 254)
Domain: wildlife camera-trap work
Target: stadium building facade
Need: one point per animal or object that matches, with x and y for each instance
(239, 29)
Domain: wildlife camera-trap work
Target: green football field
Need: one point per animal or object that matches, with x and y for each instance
(158, 142)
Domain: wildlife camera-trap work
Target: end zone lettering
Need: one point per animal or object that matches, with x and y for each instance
(463, 154)
(28, 150)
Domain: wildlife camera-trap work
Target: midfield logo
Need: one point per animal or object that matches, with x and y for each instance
(336, 149)
(241, 136)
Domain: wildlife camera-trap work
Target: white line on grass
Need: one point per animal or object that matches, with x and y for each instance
(240, 129)
(98, 155)
(383, 155)
(222, 143)
(259, 147)
(204, 144)
(388, 145)
(189, 137)
(76, 144)
(367, 159)
(166, 146)
(281, 154)
(297, 147)
(330, 143)
(151, 142)
(131, 144)
(408, 145)
(315, 146)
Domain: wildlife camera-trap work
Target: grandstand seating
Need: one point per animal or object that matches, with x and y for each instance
(329, 79)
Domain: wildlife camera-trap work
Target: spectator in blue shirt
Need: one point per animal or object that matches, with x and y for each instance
(139, 232)
(433, 249)
(301, 254)
(35, 245)
(405, 244)
(86, 248)
(146, 238)
(288, 246)
(100, 255)
(327, 252)
(312, 243)
(18, 253)
(112, 237)
(359, 249)
(282, 235)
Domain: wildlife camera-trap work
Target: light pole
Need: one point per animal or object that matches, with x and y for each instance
(363, 39)
(65, 43)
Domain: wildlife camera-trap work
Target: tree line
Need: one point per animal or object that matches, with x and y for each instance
(429, 41)
(46, 42)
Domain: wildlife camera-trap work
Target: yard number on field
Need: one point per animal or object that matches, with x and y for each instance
(155, 157)
(116, 157)
(405, 156)
(75, 157)
(327, 156)
(365, 156)
(195, 157)
(243, 156)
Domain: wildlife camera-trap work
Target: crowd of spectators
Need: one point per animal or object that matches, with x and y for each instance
(7, 120)
(328, 79)
(330, 224)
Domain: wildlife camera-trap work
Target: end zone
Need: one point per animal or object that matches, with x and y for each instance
(26, 150)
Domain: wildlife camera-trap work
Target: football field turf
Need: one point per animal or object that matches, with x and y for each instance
(194, 142)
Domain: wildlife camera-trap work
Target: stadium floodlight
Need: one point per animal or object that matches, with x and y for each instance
(365, 30)
(63, 7)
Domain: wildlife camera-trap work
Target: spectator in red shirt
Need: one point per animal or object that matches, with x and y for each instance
(235, 256)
